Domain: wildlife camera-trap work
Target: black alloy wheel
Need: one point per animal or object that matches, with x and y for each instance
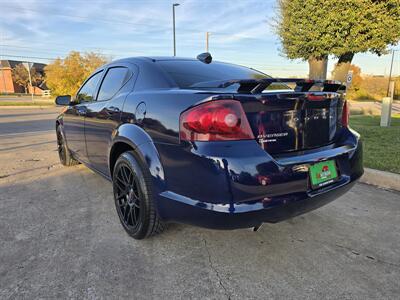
(133, 197)
(127, 198)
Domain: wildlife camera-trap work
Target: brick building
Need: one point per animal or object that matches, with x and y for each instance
(6, 82)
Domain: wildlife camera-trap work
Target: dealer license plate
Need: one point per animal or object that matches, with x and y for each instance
(323, 173)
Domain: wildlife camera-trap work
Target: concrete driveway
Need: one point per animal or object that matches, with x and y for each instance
(60, 237)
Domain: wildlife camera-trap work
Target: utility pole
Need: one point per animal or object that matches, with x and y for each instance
(28, 67)
(390, 73)
(30, 79)
(173, 24)
(207, 38)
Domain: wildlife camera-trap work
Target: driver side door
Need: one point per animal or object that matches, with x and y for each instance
(74, 117)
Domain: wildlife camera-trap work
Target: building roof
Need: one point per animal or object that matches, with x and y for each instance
(6, 63)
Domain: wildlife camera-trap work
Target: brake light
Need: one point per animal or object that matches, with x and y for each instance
(345, 114)
(314, 97)
(218, 120)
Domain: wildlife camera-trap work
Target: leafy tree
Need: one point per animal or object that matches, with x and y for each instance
(20, 76)
(357, 79)
(368, 26)
(314, 29)
(397, 88)
(65, 76)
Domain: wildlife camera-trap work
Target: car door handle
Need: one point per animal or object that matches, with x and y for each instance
(81, 111)
(112, 110)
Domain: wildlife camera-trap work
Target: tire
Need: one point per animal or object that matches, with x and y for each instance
(64, 154)
(133, 197)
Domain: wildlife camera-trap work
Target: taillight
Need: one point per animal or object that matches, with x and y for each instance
(218, 120)
(345, 114)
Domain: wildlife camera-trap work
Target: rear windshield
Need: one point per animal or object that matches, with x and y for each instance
(188, 73)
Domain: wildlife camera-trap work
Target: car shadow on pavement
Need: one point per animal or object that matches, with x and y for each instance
(60, 237)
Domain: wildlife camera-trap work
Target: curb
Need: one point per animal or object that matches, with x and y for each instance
(381, 179)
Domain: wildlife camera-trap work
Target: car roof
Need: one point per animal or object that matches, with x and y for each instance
(140, 60)
(153, 59)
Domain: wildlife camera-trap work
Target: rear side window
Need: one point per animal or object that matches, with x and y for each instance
(187, 73)
(112, 82)
(86, 93)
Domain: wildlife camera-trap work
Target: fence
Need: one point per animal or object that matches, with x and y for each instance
(46, 93)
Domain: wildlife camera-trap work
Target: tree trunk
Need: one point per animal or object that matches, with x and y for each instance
(342, 67)
(318, 67)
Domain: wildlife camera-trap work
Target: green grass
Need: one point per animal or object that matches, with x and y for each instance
(27, 103)
(381, 144)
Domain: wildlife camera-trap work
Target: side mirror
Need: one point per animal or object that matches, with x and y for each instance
(63, 100)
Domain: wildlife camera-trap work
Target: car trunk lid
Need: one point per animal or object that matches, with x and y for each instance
(292, 121)
(287, 118)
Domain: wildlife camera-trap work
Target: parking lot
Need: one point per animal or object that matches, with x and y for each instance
(60, 237)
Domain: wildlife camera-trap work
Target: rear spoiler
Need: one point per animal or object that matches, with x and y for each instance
(256, 86)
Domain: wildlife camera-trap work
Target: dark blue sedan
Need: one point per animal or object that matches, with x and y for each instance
(209, 143)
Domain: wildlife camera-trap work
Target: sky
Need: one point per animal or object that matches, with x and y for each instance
(240, 32)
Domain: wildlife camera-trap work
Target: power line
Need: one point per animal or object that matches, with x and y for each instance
(33, 46)
(55, 53)
(33, 57)
(34, 43)
(32, 49)
(242, 61)
(39, 48)
(264, 66)
(49, 58)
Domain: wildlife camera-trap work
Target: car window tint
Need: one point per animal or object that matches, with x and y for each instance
(87, 91)
(187, 73)
(112, 82)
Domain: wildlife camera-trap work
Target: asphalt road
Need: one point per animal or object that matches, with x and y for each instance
(373, 107)
(60, 238)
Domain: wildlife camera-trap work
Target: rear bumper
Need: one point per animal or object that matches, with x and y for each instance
(258, 188)
(245, 215)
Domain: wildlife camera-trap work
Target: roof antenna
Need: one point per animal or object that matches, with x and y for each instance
(205, 57)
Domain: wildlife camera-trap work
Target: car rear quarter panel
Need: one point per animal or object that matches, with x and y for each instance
(186, 173)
